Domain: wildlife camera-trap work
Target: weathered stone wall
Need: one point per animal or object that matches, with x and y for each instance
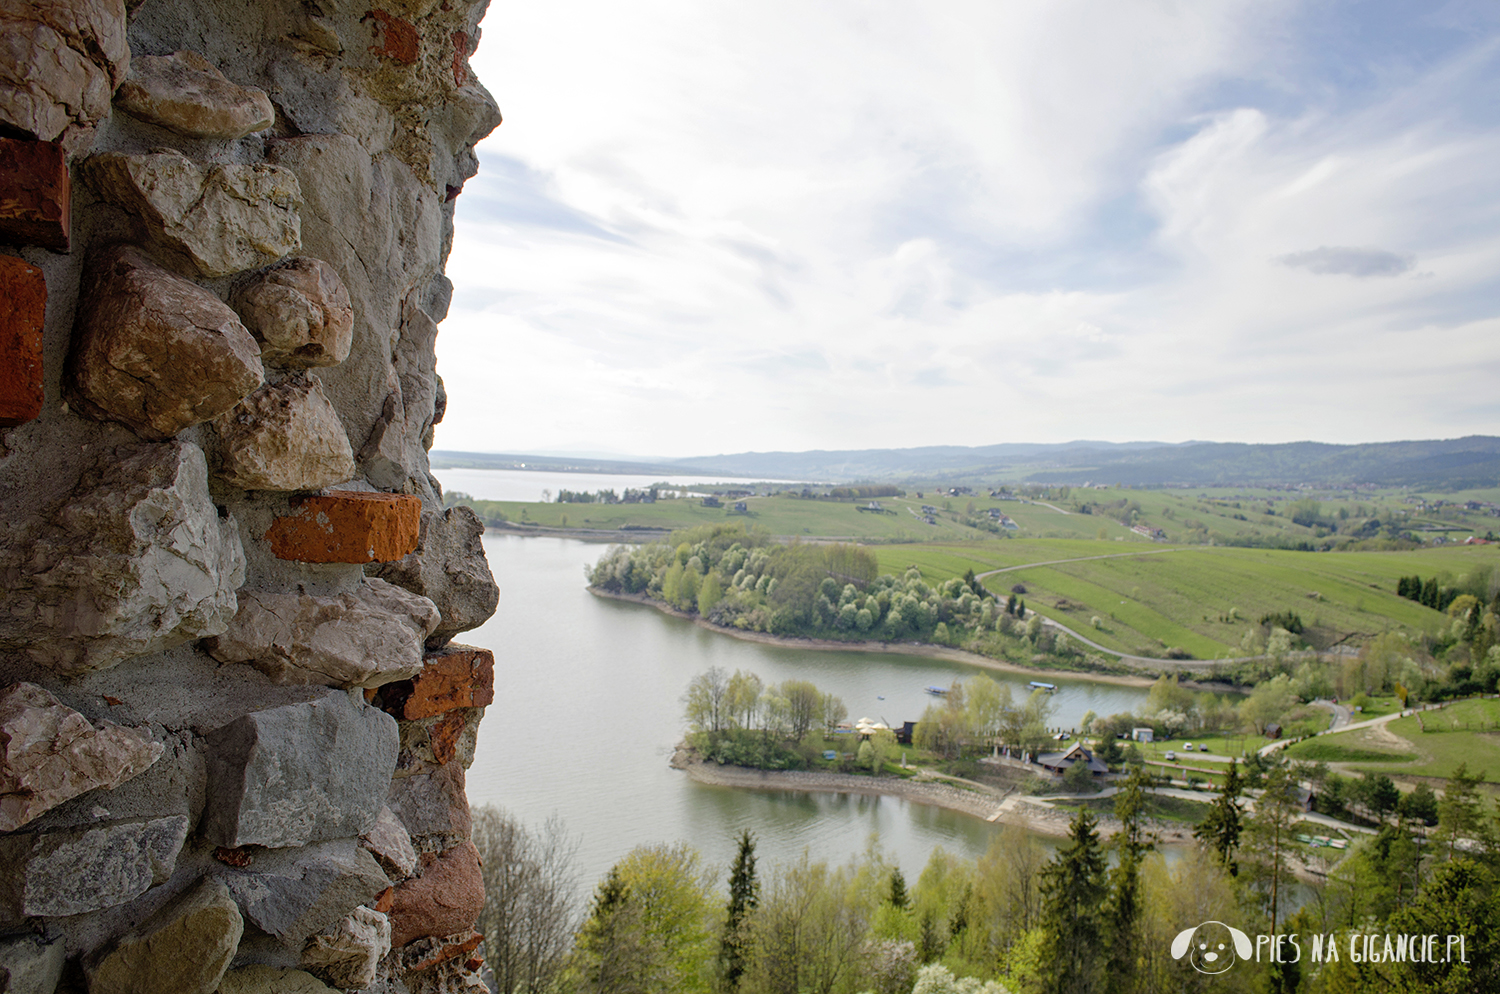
(233, 727)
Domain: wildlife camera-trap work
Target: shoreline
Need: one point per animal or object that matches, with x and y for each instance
(923, 649)
(1008, 808)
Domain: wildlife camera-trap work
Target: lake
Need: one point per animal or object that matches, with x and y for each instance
(588, 710)
(528, 484)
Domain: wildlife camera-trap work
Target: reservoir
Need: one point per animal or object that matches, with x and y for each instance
(588, 710)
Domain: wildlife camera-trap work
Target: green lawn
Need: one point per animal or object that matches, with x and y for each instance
(1464, 732)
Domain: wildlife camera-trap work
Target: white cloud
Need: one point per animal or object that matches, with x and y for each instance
(708, 228)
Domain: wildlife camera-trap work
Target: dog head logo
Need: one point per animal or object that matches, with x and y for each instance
(1212, 946)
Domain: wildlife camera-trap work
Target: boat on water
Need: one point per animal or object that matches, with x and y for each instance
(934, 689)
(1050, 688)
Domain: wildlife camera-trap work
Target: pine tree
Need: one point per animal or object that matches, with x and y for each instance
(1220, 828)
(610, 956)
(1073, 894)
(744, 895)
(1124, 915)
(898, 896)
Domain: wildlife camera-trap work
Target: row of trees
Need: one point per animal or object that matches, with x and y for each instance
(1098, 916)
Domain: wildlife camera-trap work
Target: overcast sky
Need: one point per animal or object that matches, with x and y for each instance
(713, 227)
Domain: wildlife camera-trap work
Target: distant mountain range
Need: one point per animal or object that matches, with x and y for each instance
(1451, 464)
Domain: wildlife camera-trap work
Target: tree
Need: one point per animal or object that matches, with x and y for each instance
(744, 896)
(1268, 701)
(1131, 844)
(1073, 895)
(897, 897)
(706, 699)
(1420, 805)
(668, 886)
(1220, 828)
(743, 698)
(1461, 809)
(1270, 830)
(834, 713)
(804, 706)
(530, 911)
(612, 955)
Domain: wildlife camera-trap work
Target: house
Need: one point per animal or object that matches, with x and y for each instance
(1273, 731)
(742, 507)
(905, 732)
(1142, 734)
(1059, 762)
(712, 502)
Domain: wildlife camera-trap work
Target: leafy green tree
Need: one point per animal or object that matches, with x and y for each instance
(668, 886)
(710, 592)
(1220, 828)
(706, 701)
(743, 698)
(744, 896)
(1073, 899)
(1461, 810)
(612, 954)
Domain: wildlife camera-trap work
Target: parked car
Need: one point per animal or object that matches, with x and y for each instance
(1188, 746)
(1171, 756)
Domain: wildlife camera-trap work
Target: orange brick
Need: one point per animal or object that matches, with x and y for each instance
(34, 194)
(348, 526)
(448, 948)
(385, 899)
(23, 306)
(455, 676)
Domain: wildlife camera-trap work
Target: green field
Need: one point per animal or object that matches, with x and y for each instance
(1464, 732)
(1152, 595)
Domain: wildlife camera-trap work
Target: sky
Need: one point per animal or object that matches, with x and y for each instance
(721, 227)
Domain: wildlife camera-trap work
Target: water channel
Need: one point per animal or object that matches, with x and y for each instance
(588, 710)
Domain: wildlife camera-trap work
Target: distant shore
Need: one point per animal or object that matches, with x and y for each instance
(926, 649)
(989, 806)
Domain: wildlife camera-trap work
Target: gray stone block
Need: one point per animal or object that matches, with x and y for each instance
(55, 874)
(29, 966)
(299, 773)
(294, 893)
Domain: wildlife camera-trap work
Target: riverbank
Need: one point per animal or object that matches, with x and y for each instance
(925, 649)
(974, 800)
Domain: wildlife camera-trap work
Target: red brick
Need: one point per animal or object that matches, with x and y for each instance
(348, 526)
(455, 676)
(397, 39)
(460, 58)
(385, 899)
(34, 194)
(23, 306)
(444, 734)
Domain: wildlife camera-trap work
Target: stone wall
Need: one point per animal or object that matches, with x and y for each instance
(233, 724)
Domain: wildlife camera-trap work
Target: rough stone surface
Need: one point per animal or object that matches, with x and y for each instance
(220, 219)
(183, 949)
(153, 351)
(348, 954)
(348, 526)
(63, 60)
(300, 313)
(424, 954)
(55, 874)
(292, 893)
(30, 966)
(446, 898)
(360, 639)
(50, 753)
(455, 676)
(136, 560)
(388, 841)
(262, 979)
(432, 803)
(35, 194)
(299, 773)
(449, 567)
(185, 93)
(284, 436)
(23, 308)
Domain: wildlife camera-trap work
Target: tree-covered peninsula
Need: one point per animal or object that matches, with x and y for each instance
(740, 578)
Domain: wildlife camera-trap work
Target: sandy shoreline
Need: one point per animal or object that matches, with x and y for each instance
(903, 649)
(1008, 808)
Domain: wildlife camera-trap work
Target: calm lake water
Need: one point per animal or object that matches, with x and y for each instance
(588, 709)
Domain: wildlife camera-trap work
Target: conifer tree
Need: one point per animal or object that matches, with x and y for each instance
(1131, 843)
(744, 895)
(1220, 829)
(898, 896)
(1073, 894)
